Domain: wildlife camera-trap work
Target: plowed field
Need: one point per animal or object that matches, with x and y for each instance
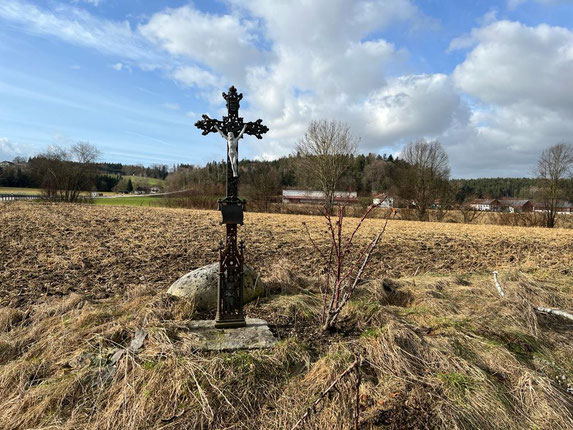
(56, 249)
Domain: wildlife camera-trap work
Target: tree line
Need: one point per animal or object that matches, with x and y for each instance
(32, 172)
(326, 159)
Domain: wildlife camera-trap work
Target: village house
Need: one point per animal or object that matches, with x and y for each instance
(384, 200)
(561, 208)
(491, 205)
(516, 205)
(304, 196)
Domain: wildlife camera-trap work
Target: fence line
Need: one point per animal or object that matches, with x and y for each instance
(9, 197)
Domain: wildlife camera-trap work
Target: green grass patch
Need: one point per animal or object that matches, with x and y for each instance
(20, 190)
(129, 201)
(371, 333)
(363, 308)
(414, 310)
(141, 180)
(457, 381)
(38, 191)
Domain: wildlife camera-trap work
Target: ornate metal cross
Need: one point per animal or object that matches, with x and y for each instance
(231, 255)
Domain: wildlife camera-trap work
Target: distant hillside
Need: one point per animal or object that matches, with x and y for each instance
(147, 181)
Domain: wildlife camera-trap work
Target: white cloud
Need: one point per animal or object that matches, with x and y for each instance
(521, 81)
(121, 66)
(221, 42)
(301, 60)
(514, 63)
(78, 27)
(504, 141)
(410, 107)
(196, 76)
(327, 68)
(9, 150)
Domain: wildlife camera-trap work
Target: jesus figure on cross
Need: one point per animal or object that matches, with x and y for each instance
(232, 147)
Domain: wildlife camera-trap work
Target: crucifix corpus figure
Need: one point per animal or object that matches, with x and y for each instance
(231, 254)
(232, 147)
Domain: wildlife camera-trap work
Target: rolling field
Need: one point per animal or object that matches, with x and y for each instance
(150, 182)
(440, 348)
(100, 251)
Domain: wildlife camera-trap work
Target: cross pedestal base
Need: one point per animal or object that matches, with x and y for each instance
(230, 323)
(203, 335)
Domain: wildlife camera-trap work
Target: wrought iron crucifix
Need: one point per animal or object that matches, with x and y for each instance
(231, 255)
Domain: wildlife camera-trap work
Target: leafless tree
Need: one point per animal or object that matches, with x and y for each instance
(426, 173)
(553, 167)
(446, 201)
(68, 172)
(469, 213)
(325, 153)
(262, 184)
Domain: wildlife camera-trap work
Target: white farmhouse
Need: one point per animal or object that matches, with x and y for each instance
(305, 196)
(485, 205)
(384, 200)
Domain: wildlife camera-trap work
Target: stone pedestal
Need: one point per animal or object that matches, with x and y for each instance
(203, 336)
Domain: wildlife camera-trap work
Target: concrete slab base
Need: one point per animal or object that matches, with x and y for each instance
(203, 336)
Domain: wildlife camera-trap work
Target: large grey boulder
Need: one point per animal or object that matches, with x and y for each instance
(201, 285)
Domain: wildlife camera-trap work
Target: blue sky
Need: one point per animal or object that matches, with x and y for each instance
(493, 81)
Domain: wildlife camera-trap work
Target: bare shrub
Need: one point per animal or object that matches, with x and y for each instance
(68, 172)
(525, 219)
(342, 271)
(469, 214)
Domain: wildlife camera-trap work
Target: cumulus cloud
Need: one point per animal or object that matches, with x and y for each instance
(413, 106)
(9, 150)
(521, 79)
(328, 67)
(301, 60)
(513, 63)
(332, 67)
(221, 42)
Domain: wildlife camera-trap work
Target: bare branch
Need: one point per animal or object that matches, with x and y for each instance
(536, 308)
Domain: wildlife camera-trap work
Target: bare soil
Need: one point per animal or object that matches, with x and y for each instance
(54, 249)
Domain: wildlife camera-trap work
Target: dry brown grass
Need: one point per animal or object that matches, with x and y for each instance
(441, 349)
(451, 356)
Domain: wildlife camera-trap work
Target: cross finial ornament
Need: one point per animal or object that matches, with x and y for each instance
(231, 257)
